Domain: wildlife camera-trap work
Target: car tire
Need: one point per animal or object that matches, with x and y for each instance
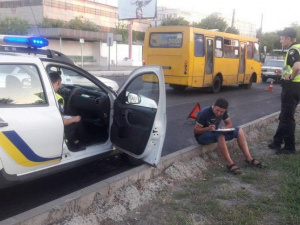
(264, 79)
(216, 85)
(249, 85)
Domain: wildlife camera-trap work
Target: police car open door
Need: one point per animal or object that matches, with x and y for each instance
(139, 120)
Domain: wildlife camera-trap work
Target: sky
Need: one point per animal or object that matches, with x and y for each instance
(276, 14)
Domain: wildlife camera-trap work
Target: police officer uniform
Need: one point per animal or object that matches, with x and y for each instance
(290, 97)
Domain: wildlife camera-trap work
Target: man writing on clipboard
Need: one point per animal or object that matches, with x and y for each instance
(206, 132)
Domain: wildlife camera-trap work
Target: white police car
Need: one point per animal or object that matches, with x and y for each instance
(32, 144)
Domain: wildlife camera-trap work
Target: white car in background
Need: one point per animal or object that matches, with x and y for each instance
(109, 83)
(68, 77)
(272, 69)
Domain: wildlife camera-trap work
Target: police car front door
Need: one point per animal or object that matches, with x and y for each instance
(139, 120)
(31, 131)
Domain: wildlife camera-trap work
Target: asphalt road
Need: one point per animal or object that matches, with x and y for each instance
(245, 105)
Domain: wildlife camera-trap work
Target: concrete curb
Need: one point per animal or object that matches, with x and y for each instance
(79, 201)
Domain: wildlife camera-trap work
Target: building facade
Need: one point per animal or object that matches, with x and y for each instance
(67, 40)
(34, 11)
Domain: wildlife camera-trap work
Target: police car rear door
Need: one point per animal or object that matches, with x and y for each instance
(31, 127)
(139, 120)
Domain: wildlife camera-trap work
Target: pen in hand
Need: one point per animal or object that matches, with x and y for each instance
(211, 126)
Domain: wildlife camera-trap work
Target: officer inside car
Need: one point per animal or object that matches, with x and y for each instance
(290, 95)
(72, 124)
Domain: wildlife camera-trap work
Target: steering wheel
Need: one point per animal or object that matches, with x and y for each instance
(75, 91)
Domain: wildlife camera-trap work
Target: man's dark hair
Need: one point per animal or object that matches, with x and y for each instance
(288, 32)
(222, 103)
(54, 77)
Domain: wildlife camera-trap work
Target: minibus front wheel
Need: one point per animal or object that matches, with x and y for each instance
(216, 85)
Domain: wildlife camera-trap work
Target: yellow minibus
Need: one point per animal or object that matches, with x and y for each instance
(193, 57)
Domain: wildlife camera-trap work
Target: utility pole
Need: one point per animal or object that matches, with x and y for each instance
(261, 23)
(233, 18)
(130, 39)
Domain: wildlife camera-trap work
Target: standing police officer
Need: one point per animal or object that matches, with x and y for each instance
(290, 94)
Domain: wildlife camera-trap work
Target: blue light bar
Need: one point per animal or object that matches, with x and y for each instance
(35, 42)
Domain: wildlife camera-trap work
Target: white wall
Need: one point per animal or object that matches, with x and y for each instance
(100, 52)
(120, 51)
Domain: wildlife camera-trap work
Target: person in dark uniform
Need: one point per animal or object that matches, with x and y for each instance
(290, 95)
(72, 124)
(208, 120)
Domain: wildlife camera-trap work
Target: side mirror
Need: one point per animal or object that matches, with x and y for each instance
(133, 98)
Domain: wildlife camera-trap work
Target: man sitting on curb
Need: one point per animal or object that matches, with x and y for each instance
(207, 122)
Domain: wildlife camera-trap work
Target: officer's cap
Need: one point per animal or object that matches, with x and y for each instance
(288, 32)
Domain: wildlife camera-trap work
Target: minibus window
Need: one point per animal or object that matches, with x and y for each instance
(256, 52)
(165, 40)
(231, 48)
(249, 50)
(219, 47)
(199, 45)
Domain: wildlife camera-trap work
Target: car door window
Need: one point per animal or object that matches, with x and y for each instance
(146, 88)
(20, 85)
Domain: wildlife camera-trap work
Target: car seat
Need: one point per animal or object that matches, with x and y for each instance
(12, 83)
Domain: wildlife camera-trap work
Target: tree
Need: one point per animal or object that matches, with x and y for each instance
(13, 25)
(79, 24)
(50, 23)
(232, 30)
(212, 22)
(122, 29)
(296, 26)
(180, 21)
(271, 40)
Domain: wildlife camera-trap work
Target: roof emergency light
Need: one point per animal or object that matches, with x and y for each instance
(34, 42)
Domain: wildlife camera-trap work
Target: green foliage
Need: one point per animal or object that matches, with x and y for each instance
(271, 40)
(138, 36)
(212, 22)
(122, 29)
(49, 23)
(232, 30)
(79, 24)
(13, 25)
(76, 24)
(180, 21)
(296, 26)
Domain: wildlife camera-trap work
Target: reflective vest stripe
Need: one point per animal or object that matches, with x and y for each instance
(286, 68)
(61, 102)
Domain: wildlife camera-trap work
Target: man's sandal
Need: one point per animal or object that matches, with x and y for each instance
(234, 171)
(252, 163)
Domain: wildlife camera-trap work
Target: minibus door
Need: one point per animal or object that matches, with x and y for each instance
(241, 74)
(209, 61)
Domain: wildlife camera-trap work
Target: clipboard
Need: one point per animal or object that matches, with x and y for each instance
(224, 131)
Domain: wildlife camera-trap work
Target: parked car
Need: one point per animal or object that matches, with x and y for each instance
(272, 69)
